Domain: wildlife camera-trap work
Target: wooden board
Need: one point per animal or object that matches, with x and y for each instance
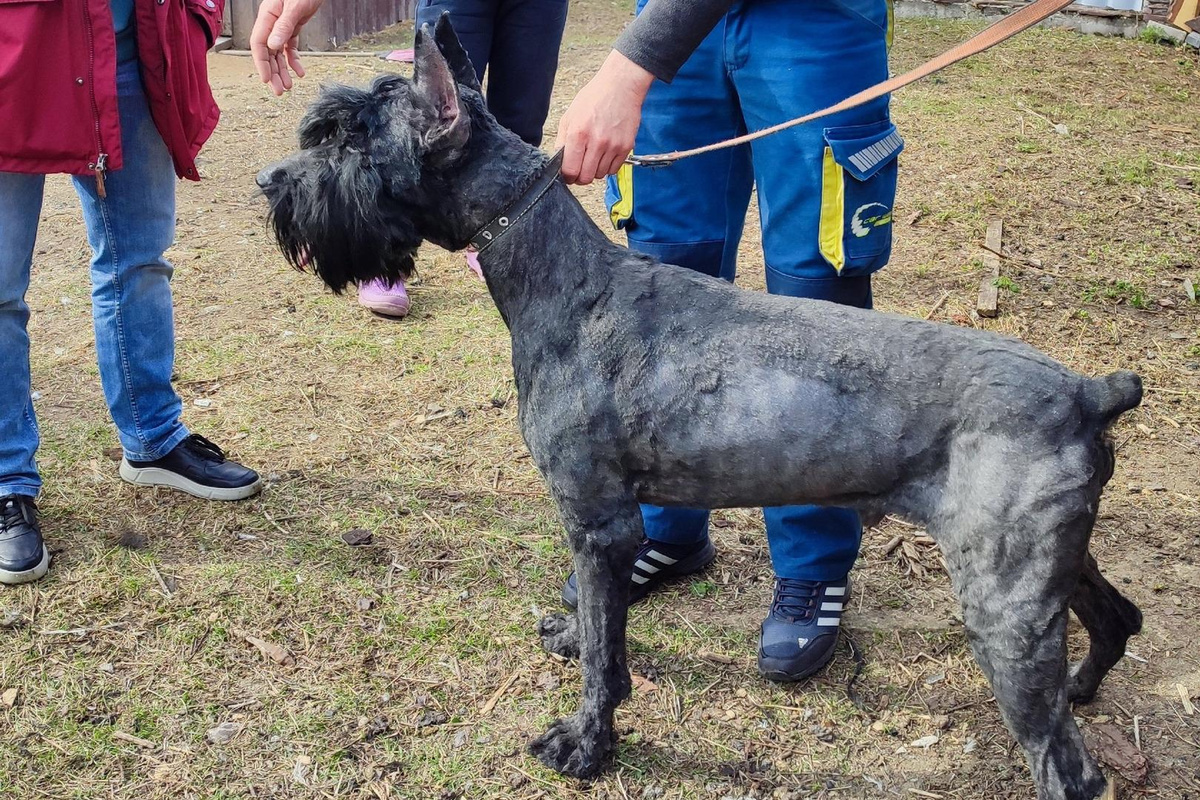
(988, 304)
(1182, 11)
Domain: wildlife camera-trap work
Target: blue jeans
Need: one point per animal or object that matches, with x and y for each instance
(517, 41)
(825, 193)
(131, 296)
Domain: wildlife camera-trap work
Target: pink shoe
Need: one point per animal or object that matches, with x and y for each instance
(388, 301)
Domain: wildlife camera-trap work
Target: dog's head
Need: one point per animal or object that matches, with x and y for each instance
(354, 203)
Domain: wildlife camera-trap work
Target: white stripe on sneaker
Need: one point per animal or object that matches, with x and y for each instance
(660, 558)
(644, 567)
(828, 622)
(639, 579)
(831, 606)
(835, 591)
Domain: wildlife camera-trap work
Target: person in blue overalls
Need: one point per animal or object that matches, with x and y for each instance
(701, 71)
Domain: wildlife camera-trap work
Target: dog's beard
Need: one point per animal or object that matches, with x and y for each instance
(336, 224)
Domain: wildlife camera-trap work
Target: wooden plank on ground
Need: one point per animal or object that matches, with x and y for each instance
(988, 304)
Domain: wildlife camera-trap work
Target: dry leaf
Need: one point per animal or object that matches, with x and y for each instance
(301, 770)
(357, 537)
(643, 685)
(224, 733)
(272, 651)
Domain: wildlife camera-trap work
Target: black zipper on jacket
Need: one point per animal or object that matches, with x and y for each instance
(101, 162)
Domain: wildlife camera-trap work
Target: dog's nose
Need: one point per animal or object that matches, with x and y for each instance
(267, 176)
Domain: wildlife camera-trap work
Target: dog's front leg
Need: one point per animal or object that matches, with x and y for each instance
(604, 539)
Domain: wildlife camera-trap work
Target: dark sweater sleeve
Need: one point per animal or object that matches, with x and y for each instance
(667, 31)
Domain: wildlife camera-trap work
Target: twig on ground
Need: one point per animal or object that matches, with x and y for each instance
(1186, 698)
(495, 698)
(82, 631)
(941, 301)
(860, 663)
(1183, 167)
(276, 525)
(131, 739)
(161, 583)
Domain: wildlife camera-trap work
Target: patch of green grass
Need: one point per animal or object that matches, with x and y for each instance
(1007, 283)
(1153, 36)
(1119, 291)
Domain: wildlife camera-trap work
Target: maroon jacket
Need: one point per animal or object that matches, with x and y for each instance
(58, 84)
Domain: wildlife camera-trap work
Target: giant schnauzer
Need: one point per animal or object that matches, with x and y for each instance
(640, 381)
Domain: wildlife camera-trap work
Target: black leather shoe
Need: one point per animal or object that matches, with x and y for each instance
(23, 555)
(198, 467)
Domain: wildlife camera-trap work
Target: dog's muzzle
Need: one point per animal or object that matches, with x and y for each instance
(268, 176)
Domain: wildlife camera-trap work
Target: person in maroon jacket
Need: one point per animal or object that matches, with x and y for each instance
(115, 93)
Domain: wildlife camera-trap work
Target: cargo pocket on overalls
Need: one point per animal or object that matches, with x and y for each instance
(618, 197)
(858, 188)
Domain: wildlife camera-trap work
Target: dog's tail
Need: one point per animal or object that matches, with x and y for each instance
(1108, 397)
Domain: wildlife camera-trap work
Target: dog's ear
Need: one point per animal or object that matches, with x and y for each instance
(338, 110)
(448, 127)
(456, 56)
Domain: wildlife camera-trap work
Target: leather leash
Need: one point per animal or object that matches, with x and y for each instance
(989, 37)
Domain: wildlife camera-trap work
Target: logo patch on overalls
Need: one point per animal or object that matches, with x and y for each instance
(861, 225)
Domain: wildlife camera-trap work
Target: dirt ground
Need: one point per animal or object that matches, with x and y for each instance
(408, 667)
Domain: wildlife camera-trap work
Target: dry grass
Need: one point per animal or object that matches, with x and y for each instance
(412, 668)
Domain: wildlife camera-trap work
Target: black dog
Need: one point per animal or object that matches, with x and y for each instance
(644, 382)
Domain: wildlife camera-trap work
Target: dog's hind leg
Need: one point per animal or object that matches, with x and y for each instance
(1016, 618)
(1110, 620)
(1015, 542)
(604, 537)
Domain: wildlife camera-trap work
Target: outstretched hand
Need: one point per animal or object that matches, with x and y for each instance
(598, 130)
(275, 38)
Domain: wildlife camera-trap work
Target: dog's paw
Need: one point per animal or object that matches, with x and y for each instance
(560, 634)
(1081, 684)
(566, 748)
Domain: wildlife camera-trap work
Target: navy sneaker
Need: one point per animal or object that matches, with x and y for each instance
(656, 564)
(198, 467)
(23, 555)
(800, 633)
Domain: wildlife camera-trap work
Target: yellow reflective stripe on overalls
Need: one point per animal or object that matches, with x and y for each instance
(833, 212)
(891, 23)
(622, 210)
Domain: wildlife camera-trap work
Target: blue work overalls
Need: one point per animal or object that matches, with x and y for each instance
(825, 194)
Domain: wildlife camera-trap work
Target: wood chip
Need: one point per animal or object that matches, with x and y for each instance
(716, 658)
(137, 740)
(1110, 746)
(9, 698)
(495, 698)
(1186, 698)
(271, 650)
(988, 304)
